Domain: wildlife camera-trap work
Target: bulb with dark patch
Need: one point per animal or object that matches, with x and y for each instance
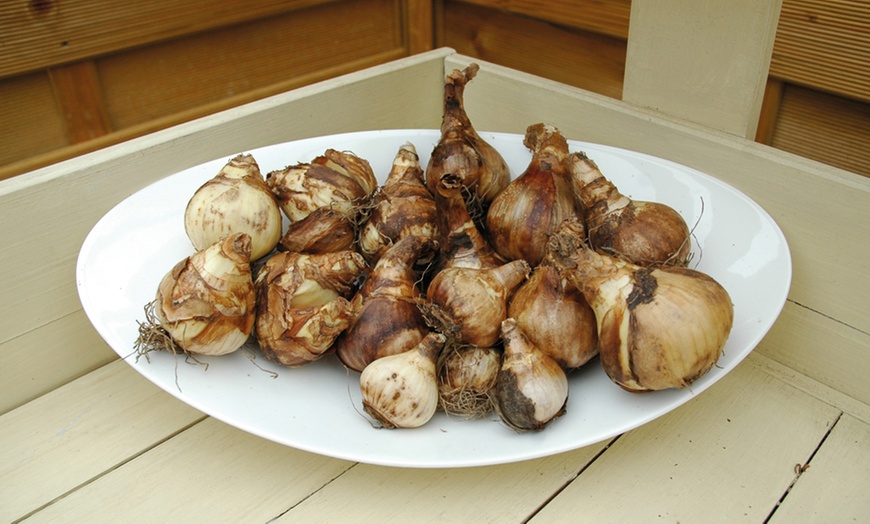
(658, 328)
(462, 243)
(331, 190)
(532, 389)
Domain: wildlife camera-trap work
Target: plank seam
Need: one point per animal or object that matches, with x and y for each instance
(314, 492)
(561, 488)
(801, 468)
(111, 469)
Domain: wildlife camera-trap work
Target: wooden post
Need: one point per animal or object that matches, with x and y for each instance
(705, 61)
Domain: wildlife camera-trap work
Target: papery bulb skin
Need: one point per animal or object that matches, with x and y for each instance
(206, 302)
(461, 151)
(645, 233)
(401, 391)
(402, 207)
(466, 375)
(462, 243)
(236, 200)
(323, 231)
(472, 303)
(302, 304)
(658, 328)
(532, 206)
(350, 165)
(531, 389)
(386, 317)
(555, 317)
(332, 188)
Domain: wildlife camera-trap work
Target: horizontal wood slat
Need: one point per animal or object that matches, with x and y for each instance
(172, 77)
(606, 17)
(70, 436)
(835, 481)
(824, 127)
(824, 44)
(32, 122)
(585, 60)
(750, 429)
(40, 34)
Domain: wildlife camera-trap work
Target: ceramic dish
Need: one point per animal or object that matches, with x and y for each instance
(318, 408)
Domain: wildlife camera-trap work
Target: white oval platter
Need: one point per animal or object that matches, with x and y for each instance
(317, 408)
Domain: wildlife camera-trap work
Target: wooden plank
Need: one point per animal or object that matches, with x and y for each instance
(74, 434)
(161, 80)
(769, 110)
(733, 448)
(419, 25)
(32, 123)
(38, 35)
(39, 361)
(827, 128)
(820, 348)
(64, 153)
(824, 44)
(584, 60)
(705, 62)
(210, 473)
(501, 493)
(77, 92)
(49, 204)
(834, 486)
(606, 17)
(847, 404)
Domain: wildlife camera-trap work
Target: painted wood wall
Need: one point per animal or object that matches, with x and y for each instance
(77, 76)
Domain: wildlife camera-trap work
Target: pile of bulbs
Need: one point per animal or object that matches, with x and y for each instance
(454, 288)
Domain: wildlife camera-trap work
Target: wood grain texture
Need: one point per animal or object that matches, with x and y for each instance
(38, 35)
(585, 60)
(161, 80)
(606, 17)
(824, 127)
(816, 346)
(77, 91)
(443, 495)
(39, 361)
(705, 62)
(833, 487)
(824, 44)
(419, 25)
(733, 447)
(33, 124)
(210, 473)
(769, 110)
(49, 446)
